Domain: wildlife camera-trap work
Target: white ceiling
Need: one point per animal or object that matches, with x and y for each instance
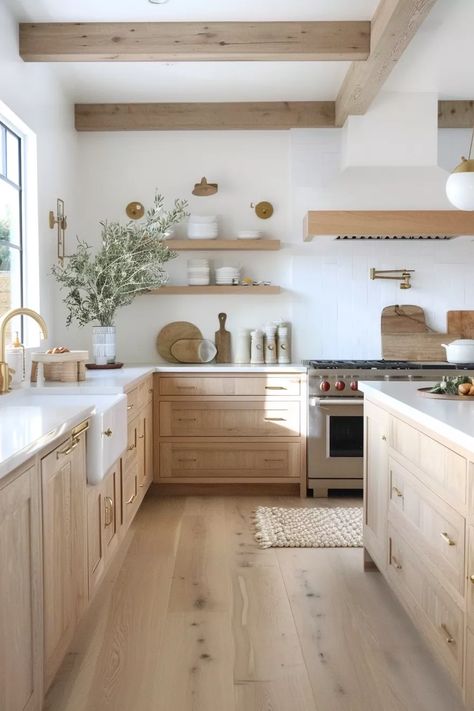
(439, 59)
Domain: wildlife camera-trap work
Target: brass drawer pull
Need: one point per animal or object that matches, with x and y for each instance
(275, 387)
(449, 637)
(134, 496)
(131, 447)
(396, 563)
(187, 460)
(130, 407)
(274, 419)
(471, 578)
(107, 432)
(68, 450)
(446, 538)
(185, 387)
(186, 419)
(109, 511)
(273, 460)
(141, 436)
(397, 491)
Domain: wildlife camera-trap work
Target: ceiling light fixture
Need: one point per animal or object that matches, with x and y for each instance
(158, 2)
(460, 184)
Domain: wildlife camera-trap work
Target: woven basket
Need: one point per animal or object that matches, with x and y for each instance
(60, 367)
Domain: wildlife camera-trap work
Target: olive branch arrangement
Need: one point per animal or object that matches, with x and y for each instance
(130, 261)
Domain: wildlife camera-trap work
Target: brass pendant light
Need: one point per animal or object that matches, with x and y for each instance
(203, 189)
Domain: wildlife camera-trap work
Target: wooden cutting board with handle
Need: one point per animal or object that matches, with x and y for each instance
(193, 350)
(222, 341)
(406, 336)
(460, 324)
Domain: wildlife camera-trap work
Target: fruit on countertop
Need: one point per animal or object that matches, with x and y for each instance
(459, 385)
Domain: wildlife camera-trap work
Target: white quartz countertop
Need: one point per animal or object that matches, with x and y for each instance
(31, 417)
(453, 419)
(28, 424)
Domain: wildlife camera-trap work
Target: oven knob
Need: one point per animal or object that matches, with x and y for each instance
(340, 385)
(354, 385)
(325, 386)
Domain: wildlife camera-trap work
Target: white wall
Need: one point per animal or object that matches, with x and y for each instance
(334, 307)
(33, 94)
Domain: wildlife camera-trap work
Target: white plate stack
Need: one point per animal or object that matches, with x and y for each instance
(203, 227)
(249, 234)
(227, 275)
(198, 272)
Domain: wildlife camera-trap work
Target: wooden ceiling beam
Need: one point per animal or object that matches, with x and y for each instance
(394, 25)
(456, 114)
(278, 115)
(194, 41)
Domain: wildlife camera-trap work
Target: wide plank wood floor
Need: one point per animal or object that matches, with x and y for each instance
(194, 617)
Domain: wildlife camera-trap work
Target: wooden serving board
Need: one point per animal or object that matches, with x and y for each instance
(193, 350)
(406, 336)
(425, 392)
(222, 341)
(461, 324)
(172, 332)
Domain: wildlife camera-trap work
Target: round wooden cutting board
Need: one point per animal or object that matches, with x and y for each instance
(425, 392)
(172, 332)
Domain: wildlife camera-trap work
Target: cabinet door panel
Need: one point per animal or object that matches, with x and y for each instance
(376, 477)
(265, 385)
(21, 602)
(63, 475)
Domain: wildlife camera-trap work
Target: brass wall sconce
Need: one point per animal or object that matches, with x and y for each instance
(203, 189)
(60, 220)
(263, 209)
(401, 275)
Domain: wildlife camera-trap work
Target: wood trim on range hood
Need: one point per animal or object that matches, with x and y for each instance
(390, 223)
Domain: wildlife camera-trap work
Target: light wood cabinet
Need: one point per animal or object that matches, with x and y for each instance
(419, 506)
(21, 592)
(376, 481)
(63, 479)
(230, 429)
(145, 448)
(103, 525)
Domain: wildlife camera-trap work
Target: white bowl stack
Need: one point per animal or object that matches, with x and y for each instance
(249, 234)
(227, 275)
(203, 227)
(198, 272)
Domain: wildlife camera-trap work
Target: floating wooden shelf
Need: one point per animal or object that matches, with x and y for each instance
(451, 223)
(248, 290)
(239, 245)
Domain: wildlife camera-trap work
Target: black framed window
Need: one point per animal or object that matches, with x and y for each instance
(11, 219)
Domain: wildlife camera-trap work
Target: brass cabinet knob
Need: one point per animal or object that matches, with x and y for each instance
(384, 438)
(107, 432)
(471, 578)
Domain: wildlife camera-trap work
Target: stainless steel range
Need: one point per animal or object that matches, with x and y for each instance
(336, 425)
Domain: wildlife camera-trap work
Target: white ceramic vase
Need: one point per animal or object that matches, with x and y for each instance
(103, 344)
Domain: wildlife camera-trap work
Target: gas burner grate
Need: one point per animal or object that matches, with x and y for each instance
(384, 365)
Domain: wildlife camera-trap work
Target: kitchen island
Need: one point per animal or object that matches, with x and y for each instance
(419, 514)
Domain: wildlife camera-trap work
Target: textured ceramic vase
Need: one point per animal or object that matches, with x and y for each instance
(103, 344)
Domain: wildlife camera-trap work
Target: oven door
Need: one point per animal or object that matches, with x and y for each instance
(336, 438)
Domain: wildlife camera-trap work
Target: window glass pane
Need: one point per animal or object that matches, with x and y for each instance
(10, 282)
(13, 158)
(2, 150)
(9, 213)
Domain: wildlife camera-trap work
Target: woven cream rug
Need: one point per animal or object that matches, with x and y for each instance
(278, 527)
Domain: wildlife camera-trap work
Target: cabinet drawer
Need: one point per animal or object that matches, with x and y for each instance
(432, 609)
(132, 402)
(229, 419)
(130, 453)
(266, 385)
(439, 467)
(227, 460)
(434, 528)
(145, 392)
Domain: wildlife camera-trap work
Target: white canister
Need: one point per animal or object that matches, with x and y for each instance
(283, 344)
(270, 346)
(256, 348)
(242, 346)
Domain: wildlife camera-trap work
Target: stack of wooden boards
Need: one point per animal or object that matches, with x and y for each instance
(406, 336)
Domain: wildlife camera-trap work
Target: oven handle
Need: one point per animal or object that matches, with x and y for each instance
(318, 401)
